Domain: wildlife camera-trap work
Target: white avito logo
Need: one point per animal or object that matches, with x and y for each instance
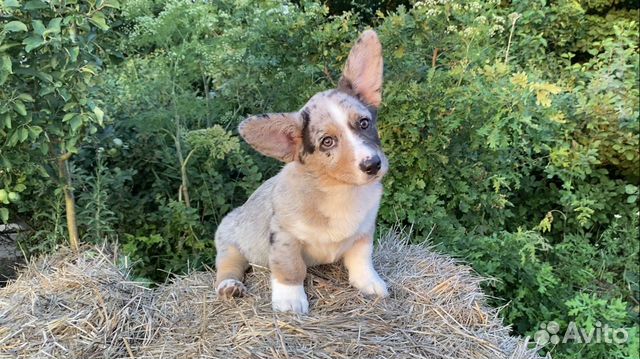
(549, 333)
(542, 336)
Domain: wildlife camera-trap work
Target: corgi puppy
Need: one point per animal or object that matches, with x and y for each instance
(322, 206)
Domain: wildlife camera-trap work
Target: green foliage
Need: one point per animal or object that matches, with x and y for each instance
(511, 127)
(593, 314)
(94, 210)
(487, 154)
(50, 57)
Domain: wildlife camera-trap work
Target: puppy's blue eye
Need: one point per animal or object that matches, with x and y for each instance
(328, 142)
(364, 123)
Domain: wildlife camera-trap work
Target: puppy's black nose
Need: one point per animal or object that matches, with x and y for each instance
(371, 166)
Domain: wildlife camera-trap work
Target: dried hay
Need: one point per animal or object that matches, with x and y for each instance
(84, 307)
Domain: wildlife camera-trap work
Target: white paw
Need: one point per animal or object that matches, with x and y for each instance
(231, 288)
(370, 284)
(288, 298)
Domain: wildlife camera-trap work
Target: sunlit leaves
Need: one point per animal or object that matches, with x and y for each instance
(15, 26)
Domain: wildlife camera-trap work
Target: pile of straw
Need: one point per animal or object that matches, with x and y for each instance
(83, 306)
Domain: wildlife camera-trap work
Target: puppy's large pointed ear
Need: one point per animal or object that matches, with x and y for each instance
(277, 135)
(362, 74)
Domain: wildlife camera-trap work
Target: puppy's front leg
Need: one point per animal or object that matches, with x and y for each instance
(362, 275)
(288, 271)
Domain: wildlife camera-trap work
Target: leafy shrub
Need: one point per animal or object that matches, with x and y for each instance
(50, 57)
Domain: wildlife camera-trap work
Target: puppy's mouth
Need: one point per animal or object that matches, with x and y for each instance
(376, 177)
(362, 181)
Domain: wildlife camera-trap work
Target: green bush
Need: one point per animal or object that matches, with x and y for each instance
(512, 131)
(51, 55)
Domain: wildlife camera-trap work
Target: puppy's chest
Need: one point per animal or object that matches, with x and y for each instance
(337, 217)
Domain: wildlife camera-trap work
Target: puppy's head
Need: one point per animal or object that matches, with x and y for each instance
(334, 135)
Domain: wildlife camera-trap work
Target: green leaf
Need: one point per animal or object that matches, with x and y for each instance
(19, 107)
(35, 131)
(24, 134)
(13, 139)
(6, 68)
(629, 155)
(5, 64)
(35, 5)
(632, 199)
(73, 53)
(630, 189)
(19, 187)
(32, 42)
(44, 76)
(4, 213)
(75, 123)
(38, 27)
(45, 90)
(26, 97)
(99, 114)
(7, 46)
(15, 26)
(99, 20)
(72, 148)
(53, 26)
(7, 121)
(68, 117)
(11, 3)
(111, 3)
(69, 106)
(64, 93)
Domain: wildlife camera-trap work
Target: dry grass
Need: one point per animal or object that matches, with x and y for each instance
(84, 307)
